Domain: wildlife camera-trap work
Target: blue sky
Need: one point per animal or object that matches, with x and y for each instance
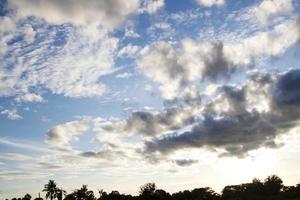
(114, 94)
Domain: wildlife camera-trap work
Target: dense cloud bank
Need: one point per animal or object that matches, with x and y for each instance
(240, 129)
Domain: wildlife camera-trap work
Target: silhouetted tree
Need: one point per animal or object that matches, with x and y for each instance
(27, 197)
(161, 195)
(51, 190)
(273, 185)
(147, 189)
(271, 189)
(70, 197)
(82, 194)
(38, 198)
(60, 194)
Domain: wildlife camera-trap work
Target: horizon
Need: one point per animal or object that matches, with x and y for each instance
(139, 189)
(119, 93)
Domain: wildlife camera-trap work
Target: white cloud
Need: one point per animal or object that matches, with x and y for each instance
(163, 25)
(129, 51)
(148, 88)
(270, 8)
(174, 67)
(159, 63)
(29, 33)
(7, 25)
(209, 3)
(11, 114)
(62, 134)
(14, 156)
(22, 145)
(75, 64)
(108, 14)
(29, 97)
(152, 6)
(72, 69)
(270, 43)
(124, 75)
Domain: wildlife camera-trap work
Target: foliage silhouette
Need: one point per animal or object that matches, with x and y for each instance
(271, 189)
(51, 189)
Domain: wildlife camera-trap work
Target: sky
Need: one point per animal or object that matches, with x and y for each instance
(118, 93)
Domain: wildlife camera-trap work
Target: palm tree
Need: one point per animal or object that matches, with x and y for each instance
(60, 194)
(84, 193)
(51, 190)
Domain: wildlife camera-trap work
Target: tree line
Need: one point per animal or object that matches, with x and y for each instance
(271, 188)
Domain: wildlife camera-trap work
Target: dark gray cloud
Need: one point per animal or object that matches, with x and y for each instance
(216, 64)
(105, 154)
(47, 165)
(185, 162)
(148, 123)
(239, 130)
(236, 135)
(286, 91)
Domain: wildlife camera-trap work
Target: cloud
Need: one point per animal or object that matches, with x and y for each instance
(105, 154)
(235, 130)
(124, 75)
(152, 6)
(22, 145)
(69, 64)
(185, 162)
(14, 156)
(151, 123)
(287, 91)
(129, 51)
(67, 59)
(29, 33)
(7, 25)
(21, 175)
(29, 97)
(48, 166)
(108, 14)
(270, 8)
(176, 67)
(11, 114)
(277, 40)
(62, 134)
(209, 3)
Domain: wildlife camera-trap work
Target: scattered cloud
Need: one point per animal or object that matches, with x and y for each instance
(11, 114)
(209, 3)
(22, 145)
(29, 33)
(107, 13)
(62, 134)
(270, 8)
(29, 97)
(124, 75)
(185, 162)
(175, 68)
(152, 6)
(21, 175)
(129, 51)
(14, 156)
